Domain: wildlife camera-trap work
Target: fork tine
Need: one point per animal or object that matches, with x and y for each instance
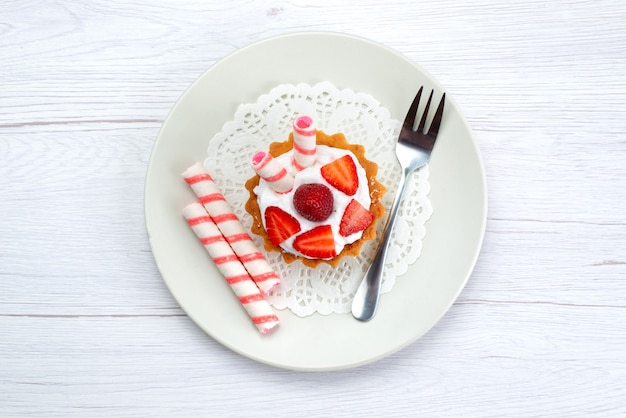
(420, 128)
(434, 126)
(409, 121)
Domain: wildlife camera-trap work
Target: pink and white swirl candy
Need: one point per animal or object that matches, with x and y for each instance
(304, 142)
(231, 228)
(231, 268)
(272, 172)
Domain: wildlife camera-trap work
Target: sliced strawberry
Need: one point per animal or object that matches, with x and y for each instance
(280, 225)
(355, 219)
(341, 174)
(316, 243)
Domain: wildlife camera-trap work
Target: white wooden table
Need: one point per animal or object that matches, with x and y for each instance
(87, 325)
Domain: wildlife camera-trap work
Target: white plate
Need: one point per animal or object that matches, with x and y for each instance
(419, 299)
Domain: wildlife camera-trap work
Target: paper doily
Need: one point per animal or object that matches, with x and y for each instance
(362, 120)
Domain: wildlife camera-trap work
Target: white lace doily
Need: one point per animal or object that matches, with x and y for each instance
(363, 121)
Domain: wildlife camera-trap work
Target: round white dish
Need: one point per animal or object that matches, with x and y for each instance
(454, 234)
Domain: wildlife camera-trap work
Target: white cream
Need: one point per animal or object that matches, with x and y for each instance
(267, 197)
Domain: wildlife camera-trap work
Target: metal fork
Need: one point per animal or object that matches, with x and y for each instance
(413, 150)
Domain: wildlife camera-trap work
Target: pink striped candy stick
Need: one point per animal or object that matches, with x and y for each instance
(229, 265)
(304, 142)
(272, 172)
(231, 228)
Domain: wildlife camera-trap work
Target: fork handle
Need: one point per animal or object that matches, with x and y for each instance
(366, 298)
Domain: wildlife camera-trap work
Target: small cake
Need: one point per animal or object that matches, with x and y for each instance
(315, 197)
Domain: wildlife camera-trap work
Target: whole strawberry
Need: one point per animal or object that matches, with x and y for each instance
(313, 201)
